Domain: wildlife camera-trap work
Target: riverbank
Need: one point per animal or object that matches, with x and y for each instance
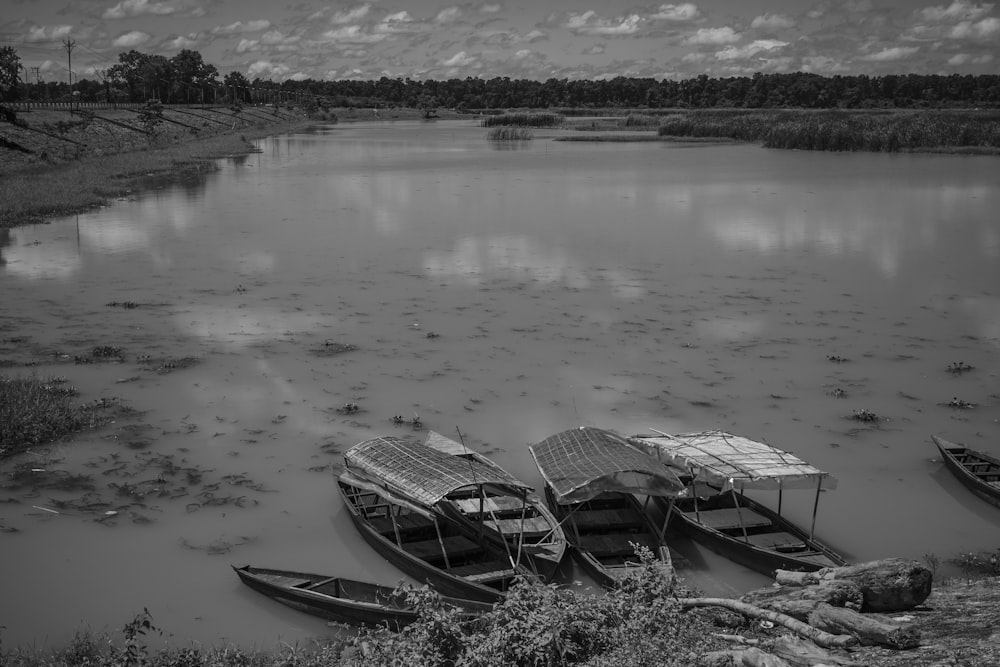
(55, 163)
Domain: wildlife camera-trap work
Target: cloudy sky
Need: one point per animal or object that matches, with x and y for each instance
(537, 39)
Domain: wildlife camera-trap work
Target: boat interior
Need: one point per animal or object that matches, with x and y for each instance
(608, 526)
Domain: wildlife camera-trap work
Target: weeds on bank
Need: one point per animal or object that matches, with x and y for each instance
(509, 134)
(35, 411)
(523, 120)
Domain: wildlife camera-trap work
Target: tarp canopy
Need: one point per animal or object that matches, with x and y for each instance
(727, 461)
(421, 473)
(580, 464)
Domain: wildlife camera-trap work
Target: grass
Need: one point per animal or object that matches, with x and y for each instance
(509, 134)
(523, 120)
(837, 130)
(36, 411)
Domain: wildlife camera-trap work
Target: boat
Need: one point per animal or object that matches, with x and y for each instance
(591, 478)
(391, 488)
(978, 471)
(504, 515)
(343, 600)
(719, 468)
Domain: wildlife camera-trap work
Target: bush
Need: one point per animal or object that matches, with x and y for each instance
(509, 134)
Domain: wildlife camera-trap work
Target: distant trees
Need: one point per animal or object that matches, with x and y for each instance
(187, 78)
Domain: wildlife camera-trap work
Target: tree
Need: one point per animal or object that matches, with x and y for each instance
(237, 86)
(10, 69)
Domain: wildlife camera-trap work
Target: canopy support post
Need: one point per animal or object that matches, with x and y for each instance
(666, 520)
(444, 551)
(395, 526)
(819, 487)
(780, 493)
(739, 513)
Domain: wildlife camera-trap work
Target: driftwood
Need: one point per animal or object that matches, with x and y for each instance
(799, 601)
(797, 652)
(867, 629)
(820, 637)
(888, 585)
(750, 657)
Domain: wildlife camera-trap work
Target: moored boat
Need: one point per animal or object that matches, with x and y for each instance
(503, 514)
(719, 468)
(591, 476)
(978, 471)
(343, 600)
(391, 488)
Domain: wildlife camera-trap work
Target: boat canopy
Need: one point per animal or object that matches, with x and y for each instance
(349, 478)
(583, 463)
(727, 461)
(421, 473)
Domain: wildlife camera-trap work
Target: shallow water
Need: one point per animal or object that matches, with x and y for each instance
(509, 292)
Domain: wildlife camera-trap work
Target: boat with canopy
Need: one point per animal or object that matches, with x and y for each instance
(591, 478)
(392, 489)
(719, 468)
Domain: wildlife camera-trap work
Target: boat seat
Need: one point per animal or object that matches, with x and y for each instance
(494, 570)
(494, 504)
(406, 523)
(456, 546)
(610, 545)
(617, 519)
(780, 541)
(728, 518)
(531, 526)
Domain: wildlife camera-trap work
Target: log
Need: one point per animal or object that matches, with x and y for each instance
(867, 629)
(751, 657)
(820, 637)
(804, 653)
(799, 601)
(888, 585)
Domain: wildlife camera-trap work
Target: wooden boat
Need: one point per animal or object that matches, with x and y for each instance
(718, 468)
(391, 488)
(343, 600)
(590, 478)
(978, 471)
(506, 516)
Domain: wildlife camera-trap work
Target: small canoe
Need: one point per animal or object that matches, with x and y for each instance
(342, 600)
(978, 471)
(718, 468)
(511, 517)
(591, 476)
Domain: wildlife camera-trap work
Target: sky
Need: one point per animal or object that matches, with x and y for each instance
(533, 39)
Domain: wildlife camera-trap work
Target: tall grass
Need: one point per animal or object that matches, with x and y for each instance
(35, 411)
(523, 120)
(886, 132)
(509, 134)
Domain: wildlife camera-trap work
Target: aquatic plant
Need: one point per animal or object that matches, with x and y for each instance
(523, 120)
(509, 134)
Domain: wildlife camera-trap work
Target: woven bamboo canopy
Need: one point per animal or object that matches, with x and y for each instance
(580, 464)
(421, 473)
(728, 461)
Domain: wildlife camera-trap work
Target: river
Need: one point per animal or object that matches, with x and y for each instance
(509, 291)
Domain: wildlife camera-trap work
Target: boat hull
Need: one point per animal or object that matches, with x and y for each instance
(975, 470)
(443, 581)
(771, 543)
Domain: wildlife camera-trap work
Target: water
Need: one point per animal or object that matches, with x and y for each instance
(509, 292)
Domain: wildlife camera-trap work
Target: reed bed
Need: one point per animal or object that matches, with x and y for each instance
(36, 411)
(510, 134)
(880, 131)
(523, 120)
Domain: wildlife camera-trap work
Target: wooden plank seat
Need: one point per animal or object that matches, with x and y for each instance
(457, 547)
(494, 570)
(610, 545)
(491, 504)
(728, 518)
(530, 526)
(405, 522)
(621, 519)
(779, 541)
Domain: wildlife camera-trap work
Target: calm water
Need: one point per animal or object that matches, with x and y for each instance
(509, 292)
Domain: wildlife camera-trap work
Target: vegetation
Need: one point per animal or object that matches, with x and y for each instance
(509, 134)
(979, 564)
(843, 130)
(523, 120)
(36, 411)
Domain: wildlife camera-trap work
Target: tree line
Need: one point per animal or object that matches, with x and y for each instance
(187, 78)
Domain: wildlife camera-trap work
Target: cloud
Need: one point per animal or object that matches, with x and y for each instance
(181, 42)
(772, 22)
(448, 15)
(490, 8)
(589, 23)
(240, 26)
(398, 23)
(595, 50)
(985, 29)
(684, 12)
(822, 64)
(749, 50)
(48, 33)
(510, 38)
(959, 10)
(966, 59)
(724, 35)
(460, 59)
(352, 34)
(127, 8)
(265, 69)
(351, 15)
(131, 39)
(891, 54)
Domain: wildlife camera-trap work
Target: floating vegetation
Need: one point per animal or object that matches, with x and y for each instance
(106, 352)
(959, 367)
(523, 120)
(960, 404)
(416, 423)
(332, 348)
(128, 305)
(837, 392)
(510, 134)
(219, 546)
(865, 415)
(349, 409)
(167, 365)
(837, 359)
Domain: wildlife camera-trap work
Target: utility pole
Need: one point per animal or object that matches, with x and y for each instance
(69, 44)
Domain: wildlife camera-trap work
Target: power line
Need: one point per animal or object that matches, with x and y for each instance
(69, 44)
